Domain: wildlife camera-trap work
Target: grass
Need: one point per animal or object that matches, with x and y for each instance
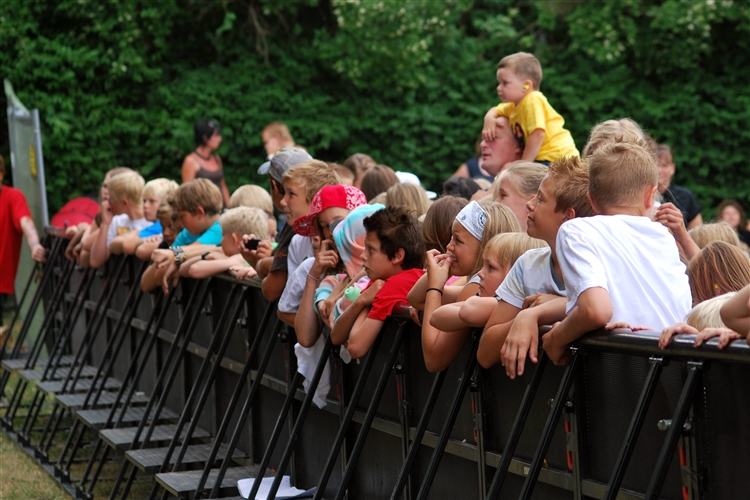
(22, 478)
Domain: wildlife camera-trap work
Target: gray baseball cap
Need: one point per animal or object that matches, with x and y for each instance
(283, 160)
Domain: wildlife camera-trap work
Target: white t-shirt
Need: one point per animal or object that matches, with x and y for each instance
(122, 224)
(634, 259)
(532, 273)
(291, 297)
(300, 248)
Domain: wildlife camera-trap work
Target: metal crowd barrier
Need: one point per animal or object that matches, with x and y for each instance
(189, 393)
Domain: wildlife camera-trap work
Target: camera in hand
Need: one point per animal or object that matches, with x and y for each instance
(252, 244)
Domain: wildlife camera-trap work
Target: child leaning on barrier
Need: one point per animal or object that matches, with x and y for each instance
(198, 204)
(393, 259)
(329, 205)
(122, 213)
(254, 196)
(533, 292)
(533, 121)
(474, 226)
(235, 223)
(154, 192)
(618, 266)
(171, 226)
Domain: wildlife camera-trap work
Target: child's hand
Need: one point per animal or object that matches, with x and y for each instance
(162, 257)
(678, 328)
(414, 313)
(242, 272)
(327, 258)
(106, 212)
(670, 217)
(368, 296)
(538, 299)
(522, 340)
(438, 269)
(325, 311)
(725, 336)
(625, 324)
(253, 256)
(156, 238)
(558, 354)
(171, 277)
(491, 120)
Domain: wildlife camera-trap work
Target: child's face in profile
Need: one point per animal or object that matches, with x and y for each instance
(272, 228)
(491, 276)
(150, 206)
(543, 221)
(191, 221)
(509, 196)
(170, 229)
(463, 250)
(376, 263)
(229, 243)
(510, 87)
(294, 203)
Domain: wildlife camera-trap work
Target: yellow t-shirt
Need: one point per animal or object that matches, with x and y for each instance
(534, 112)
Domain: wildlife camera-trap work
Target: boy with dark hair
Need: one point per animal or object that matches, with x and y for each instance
(533, 292)
(394, 260)
(619, 266)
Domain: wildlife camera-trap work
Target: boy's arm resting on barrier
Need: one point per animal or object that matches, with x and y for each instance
(522, 339)
(288, 318)
(273, 285)
(735, 313)
(492, 339)
(354, 327)
(476, 311)
(117, 245)
(205, 268)
(152, 278)
(99, 252)
(593, 311)
(146, 247)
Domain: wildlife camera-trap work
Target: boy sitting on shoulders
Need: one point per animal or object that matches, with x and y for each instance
(618, 266)
(394, 260)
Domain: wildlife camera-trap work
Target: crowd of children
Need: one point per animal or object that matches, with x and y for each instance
(581, 243)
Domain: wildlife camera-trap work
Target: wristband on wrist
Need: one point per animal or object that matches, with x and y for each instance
(312, 277)
(436, 289)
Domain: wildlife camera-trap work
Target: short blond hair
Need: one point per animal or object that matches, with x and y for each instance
(197, 193)
(165, 209)
(715, 231)
(409, 195)
(619, 172)
(525, 66)
(707, 314)
(623, 129)
(245, 220)
(526, 177)
(500, 219)
(159, 188)
(126, 186)
(280, 129)
(312, 176)
(506, 248)
(570, 182)
(251, 195)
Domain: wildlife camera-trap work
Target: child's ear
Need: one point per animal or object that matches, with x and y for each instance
(593, 205)
(570, 213)
(648, 197)
(200, 211)
(236, 239)
(528, 85)
(399, 257)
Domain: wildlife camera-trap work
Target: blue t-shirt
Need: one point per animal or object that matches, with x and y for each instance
(212, 236)
(151, 230)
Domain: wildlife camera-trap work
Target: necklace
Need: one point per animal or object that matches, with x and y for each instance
(204, 158)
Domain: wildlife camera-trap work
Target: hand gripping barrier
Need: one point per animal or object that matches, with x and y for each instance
(220, 400)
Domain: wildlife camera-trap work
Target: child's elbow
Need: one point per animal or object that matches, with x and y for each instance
(357, 350)
(435, 365)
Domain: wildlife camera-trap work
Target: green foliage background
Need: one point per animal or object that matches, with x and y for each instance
(120, 82)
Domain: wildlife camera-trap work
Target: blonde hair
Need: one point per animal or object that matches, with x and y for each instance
(197, 193)
(500, 219)
(312, 176)
(718, 268)
(159, 188)
(251, 195)
(410, 195)
(126, 186)
(280, 129)
(525, 66)
(623, 129)
(165, 209)
(506, 248)
(570, 182)
(347, 176)
(707, 314)
(483, 183)
(527, 177)
(245, 220)
(619, 172)
(715, 231)
(378, 199)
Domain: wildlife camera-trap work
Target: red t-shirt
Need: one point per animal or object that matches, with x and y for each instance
(13, 208)
(394, 291)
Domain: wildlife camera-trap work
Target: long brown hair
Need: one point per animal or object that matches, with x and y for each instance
(717, 269)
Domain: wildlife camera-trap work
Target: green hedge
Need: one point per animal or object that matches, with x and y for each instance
(121, 83)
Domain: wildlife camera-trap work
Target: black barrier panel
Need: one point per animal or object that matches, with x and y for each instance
(612, 386)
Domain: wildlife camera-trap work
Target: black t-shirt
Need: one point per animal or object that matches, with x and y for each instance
(684, 200)
(281, 252)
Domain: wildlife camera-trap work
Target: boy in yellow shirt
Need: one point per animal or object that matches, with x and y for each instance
(538, 127)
